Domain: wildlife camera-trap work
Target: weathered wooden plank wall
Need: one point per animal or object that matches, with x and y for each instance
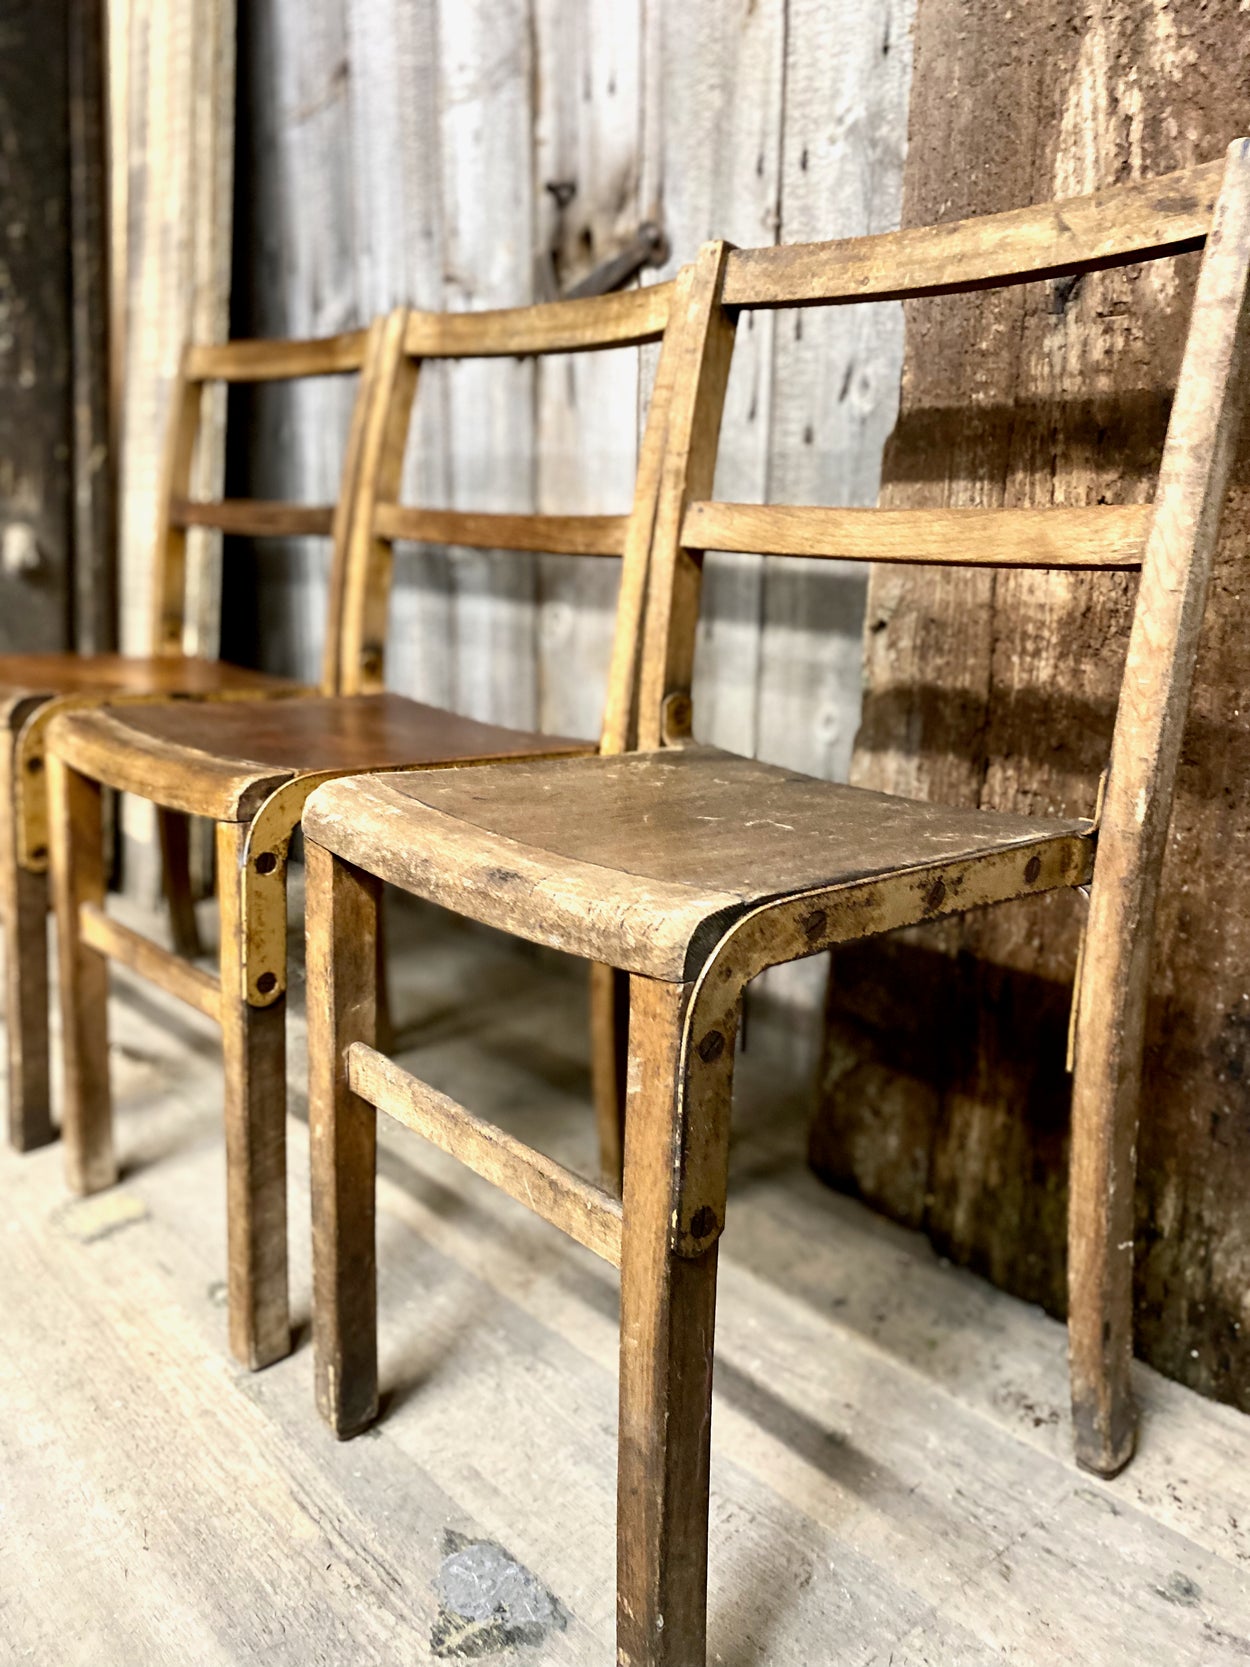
(171, 73)
(470, 153)
(171, 103)
(945, 1095)
(35, 343)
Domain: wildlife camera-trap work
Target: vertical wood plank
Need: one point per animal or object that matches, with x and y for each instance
(586, 199)
(836, 371)
(171, 76)
(711, 168)
(35, 319)
(299, 226)
(398, 183)
(486, 128)
(95, 526)
(177, 145)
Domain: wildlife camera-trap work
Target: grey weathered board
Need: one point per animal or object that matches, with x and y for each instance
(891, 1475)
(376, 175)
(691, 115)
(945, 1098)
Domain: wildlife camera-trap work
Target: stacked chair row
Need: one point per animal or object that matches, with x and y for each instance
(676, 870)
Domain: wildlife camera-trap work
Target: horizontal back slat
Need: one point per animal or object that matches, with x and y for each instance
(255, 517)
(1103, 536)
(276, 361)
(560, 535)
(1114, 227)
(625, 320)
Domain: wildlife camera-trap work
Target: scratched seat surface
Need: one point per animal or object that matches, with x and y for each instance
(223, 759)
(634, 858)
(173, 674)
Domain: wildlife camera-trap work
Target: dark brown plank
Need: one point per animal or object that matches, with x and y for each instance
(945, 1101)
(35, 344)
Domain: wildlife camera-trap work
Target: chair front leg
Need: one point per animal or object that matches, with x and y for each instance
(254, 1048)
(77, 860)
(341, 915)
(24, 904)
(676, 1150)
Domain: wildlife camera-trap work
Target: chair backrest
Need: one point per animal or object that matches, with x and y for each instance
(1171, 540)
(630, 318)
(357, 352)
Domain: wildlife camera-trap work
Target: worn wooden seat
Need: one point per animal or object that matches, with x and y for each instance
(35, 688)
(224, 763)
(250, 769)
(692, 871)
(644, 861)
(45, 675)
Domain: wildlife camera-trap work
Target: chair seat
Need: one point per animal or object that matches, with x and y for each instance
(223, 759)
(132, 674)
(643, 860)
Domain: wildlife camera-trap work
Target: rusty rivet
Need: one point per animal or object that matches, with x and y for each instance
(34, 765)
(936, 895)
(1032, 869)
(711, 1047)
(703, 1222)
(814, 924)
(371, 660)
(266, 982)
(39, 853)
(266, 862)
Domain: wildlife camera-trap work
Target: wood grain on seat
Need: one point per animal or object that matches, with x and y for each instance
(631, 859)
(136, 674)
(222, 761)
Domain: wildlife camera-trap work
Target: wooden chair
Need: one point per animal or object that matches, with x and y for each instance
(34, 688)
(692, 870)
(249, 769)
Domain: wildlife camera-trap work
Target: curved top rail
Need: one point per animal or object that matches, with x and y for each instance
(624, 319)
(1113, 227)
(276, 361)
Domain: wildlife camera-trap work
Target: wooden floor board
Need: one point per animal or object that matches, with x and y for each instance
(891, 1481)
